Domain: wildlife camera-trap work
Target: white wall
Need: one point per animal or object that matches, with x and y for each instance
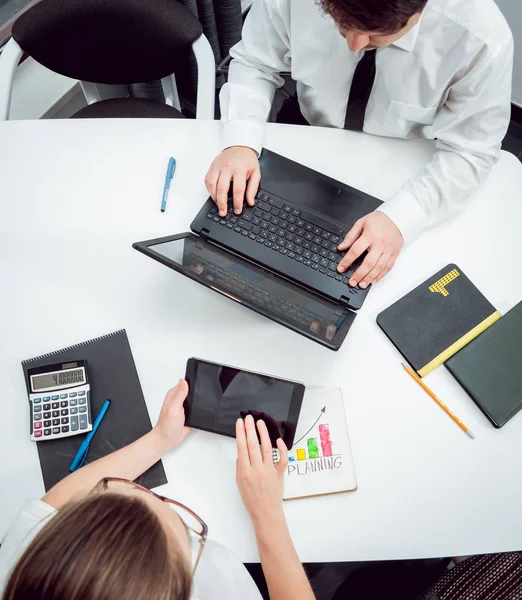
(512, 10)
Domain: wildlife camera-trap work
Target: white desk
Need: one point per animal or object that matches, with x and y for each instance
(74, 195)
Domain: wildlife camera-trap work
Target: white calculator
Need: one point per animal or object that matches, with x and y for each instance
(59, 400)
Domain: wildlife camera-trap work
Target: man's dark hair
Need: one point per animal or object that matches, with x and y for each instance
(386, 16)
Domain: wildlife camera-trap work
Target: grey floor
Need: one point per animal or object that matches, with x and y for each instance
(9, 8)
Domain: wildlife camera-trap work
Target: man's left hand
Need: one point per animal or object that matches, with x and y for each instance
(377, 234)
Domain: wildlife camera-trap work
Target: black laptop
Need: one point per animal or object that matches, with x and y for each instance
(280, 256)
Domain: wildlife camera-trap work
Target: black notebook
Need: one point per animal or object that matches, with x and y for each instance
(113, 376)
(490, 368)
(437, 319)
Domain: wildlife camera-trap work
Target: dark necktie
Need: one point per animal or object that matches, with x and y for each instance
(360, 91)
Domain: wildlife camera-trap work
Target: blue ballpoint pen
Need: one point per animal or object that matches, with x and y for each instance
(81, 455)
(171, 169)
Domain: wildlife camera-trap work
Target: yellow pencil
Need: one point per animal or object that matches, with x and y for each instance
(414, 375)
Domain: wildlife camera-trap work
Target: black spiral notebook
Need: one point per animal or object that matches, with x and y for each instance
(113, 376)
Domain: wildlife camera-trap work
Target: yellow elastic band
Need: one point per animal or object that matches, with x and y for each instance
(459, 344)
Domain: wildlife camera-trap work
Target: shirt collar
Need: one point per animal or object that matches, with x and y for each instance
(407, 41)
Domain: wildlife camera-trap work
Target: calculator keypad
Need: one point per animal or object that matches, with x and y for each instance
(59, 414)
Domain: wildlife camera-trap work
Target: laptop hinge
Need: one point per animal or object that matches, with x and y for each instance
(204, 233)
(344, 301)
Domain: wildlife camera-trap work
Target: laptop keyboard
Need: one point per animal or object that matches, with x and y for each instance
(290, 231)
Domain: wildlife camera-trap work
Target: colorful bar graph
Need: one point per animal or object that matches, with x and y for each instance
(326, 442)
(301, 454)
(313, 450)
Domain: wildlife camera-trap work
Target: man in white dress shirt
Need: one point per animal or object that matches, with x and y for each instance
(442, 70)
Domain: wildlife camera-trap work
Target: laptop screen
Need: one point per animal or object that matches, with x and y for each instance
(255, 287)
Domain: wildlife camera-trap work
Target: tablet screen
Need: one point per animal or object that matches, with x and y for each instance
(219, 395)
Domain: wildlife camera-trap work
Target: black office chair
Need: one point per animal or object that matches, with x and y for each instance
(109, 44)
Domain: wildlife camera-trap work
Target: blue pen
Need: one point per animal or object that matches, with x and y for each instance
(171, 169)
(81, 455)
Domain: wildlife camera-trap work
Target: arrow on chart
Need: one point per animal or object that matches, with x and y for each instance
(323, 410)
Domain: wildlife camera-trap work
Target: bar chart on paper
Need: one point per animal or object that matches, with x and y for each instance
(320, 461)
(313, 448)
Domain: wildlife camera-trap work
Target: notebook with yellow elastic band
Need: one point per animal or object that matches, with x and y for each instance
(436, 319)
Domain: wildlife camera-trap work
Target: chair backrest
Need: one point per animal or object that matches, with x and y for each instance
(109, 41)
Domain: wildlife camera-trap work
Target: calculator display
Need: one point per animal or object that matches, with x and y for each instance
(58, 379)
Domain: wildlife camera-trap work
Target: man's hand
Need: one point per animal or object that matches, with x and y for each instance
(260, 482)
(377, 234)
(171, 422)
(237, 164)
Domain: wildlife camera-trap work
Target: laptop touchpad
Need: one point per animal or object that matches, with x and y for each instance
(332, 202)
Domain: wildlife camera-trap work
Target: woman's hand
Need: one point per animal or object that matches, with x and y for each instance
(260, 482)
(130, 461)
(170, 427)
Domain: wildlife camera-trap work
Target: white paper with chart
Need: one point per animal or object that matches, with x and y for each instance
(320, 461)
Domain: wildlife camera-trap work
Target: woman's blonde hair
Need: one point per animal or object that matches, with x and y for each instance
(103, 547)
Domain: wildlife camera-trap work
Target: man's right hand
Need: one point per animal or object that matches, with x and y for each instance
(237, 164)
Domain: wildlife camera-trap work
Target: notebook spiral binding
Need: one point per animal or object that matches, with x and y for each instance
(73, 347)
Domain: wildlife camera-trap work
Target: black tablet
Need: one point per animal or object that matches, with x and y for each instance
(219, 395)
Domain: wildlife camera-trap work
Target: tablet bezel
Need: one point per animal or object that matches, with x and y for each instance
(293, 411)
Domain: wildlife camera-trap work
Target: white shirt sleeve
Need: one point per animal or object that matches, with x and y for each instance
(254, 74)
(469, 130)
(33, 516)
(222, 576)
